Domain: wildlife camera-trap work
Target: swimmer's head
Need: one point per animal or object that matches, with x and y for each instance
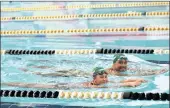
(120, 62)
(99, 76)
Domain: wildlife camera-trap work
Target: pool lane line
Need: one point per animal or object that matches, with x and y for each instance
(86, 95)
(85, 51)
(127, 15)
(148, 29)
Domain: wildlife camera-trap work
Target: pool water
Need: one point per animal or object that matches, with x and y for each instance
(11, 64)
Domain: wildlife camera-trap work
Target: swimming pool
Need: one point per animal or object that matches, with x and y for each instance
(11, 64)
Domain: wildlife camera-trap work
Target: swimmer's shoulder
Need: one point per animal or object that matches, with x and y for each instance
(88, 85)
(110, 71)
(85, 84)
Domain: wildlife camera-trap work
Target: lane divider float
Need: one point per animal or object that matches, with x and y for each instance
(85, 16)
(85, 95)
(85, 51)
(76, 31)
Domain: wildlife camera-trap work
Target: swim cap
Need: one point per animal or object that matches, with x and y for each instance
(119, 57)
(98, 71)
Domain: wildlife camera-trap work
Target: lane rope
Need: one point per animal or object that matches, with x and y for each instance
(86, 95)
(76, 31)
(85, 16)
(85, 51)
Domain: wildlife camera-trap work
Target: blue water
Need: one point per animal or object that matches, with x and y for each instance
(10, 64)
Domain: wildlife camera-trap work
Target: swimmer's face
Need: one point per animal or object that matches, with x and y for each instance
(121, 65)
(101, 79)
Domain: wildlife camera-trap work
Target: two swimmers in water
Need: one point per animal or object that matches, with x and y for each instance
(100, 76)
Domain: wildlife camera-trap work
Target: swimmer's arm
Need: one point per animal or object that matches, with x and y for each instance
(127, 84)
(123, 84)
(120, 84)
(130, 80)
(117, 86)
(133, 80)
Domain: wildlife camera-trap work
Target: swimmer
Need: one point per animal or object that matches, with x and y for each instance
(99, 79)
(120, 62)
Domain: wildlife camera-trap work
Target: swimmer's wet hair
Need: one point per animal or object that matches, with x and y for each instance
(98, 71)
(117, 57)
